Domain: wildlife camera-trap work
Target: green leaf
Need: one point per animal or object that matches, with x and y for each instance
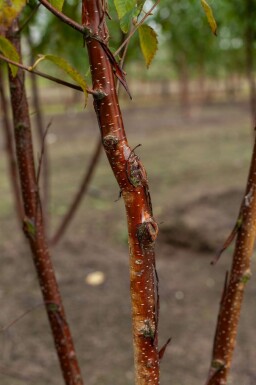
(124, 6)
(66, 67)
(127, 10)
(210, 17)
(9, 10)
(30, 227)
(148, 43)
(140, 4)
(58, 4)
(9, 51)
(125, 22)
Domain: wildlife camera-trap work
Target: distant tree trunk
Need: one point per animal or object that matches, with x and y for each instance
(249, 47)
(184, 85)
(41, 136)
(9, 146)
(201, 80)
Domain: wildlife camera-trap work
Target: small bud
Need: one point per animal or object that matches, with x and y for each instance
(218, 364)
(110, 142)
(246, 276)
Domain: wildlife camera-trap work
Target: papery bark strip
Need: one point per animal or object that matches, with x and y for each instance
(132, 180)
(34, 228)
(230, 306)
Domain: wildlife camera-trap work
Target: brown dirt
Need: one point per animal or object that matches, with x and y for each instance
(197, 169)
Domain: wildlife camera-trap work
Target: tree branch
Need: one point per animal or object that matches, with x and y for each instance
(79, 195)
(65, 19)
(136, 27)
(49, 77)
(231, 302)
(25, 23)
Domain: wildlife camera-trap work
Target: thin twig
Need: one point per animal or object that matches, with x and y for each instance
(41, 157)
(65, 19)
(33, 12)
(7, 327)
(49, 77)
(234, 287)
(122, 61)
(41, 134)
(79, 194)
(136, 27)
(8, 372)
(42, 154)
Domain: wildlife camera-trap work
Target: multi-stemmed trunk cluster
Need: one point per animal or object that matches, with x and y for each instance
(142, 227)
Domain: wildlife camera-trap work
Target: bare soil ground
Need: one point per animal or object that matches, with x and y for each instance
(197, 167)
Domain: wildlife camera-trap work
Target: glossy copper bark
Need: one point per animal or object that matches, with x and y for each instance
(230, 306)
(131, 177)
(34, 228)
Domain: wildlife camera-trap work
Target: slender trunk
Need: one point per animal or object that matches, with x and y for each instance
(34, 228)
(201, 79)
(249, 41)
(12, 165)
(132, 180)
(41, 136)
(79, 195)
(230, 307)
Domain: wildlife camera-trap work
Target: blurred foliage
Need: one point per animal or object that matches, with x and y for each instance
(186, 42)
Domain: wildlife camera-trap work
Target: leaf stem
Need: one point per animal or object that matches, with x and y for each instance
(136, 27)
(49, 77)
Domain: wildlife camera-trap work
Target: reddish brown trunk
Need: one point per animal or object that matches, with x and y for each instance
(231, 303)
(34, 228)
(132, 180)
(79, 195)
(10, 152)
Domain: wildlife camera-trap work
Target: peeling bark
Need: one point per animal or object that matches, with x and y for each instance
(230, 306)
(132, 179)
(34, 228)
